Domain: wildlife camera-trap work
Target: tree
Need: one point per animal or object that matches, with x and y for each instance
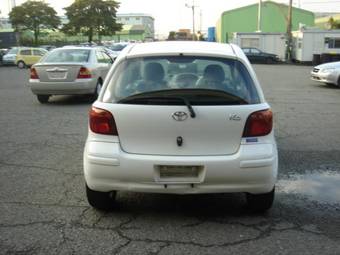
(333, 24)
(200, 36)
(34, 16)
(92, 16)
(172, 36)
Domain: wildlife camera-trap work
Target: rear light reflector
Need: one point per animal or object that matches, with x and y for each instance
(259, 124)
(84, 73)
(34, 74)
(102, 122)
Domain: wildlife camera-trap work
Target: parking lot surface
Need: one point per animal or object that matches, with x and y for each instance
(43, 209)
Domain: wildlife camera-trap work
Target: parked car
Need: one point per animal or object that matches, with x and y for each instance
(257, 56)
(2, 54)
(9, 57)
(48, 47)
(69, 71)
(111, 53)
(28, 56)
(328, 73)
(156, 127)
(118, 47)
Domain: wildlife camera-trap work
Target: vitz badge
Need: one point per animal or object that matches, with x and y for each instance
(234, 117)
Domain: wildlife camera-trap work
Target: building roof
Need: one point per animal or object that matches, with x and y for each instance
(319, 31)
(267, 2)
(259, 33)
(134, 15)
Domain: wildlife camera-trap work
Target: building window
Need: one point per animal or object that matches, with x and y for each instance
(333, 43)
(127, 19)
(137, 18)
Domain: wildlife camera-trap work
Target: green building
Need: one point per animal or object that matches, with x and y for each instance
(274, 18)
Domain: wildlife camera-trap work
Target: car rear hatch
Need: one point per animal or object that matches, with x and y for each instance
(154, 130)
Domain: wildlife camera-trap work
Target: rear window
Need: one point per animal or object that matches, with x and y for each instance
(118, 47)
(175, 73)
(67, 55)
(39, 52)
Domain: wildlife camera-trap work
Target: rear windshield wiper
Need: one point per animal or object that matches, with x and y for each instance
(220, 94)
(137, 98)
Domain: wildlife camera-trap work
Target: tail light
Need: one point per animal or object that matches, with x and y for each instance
(34, 74)
(259, 124)
(102, 122)
(84, 73)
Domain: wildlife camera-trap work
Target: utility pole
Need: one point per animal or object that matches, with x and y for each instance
(289, 32)
(259, 16)
(201, 15)
(193, 18)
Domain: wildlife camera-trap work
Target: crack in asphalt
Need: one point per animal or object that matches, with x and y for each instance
(49, 222)
(58, 170)
(162, 247)
(44, 204)
(28, 251)
(262, 235)
(121, 247)
(195, 224)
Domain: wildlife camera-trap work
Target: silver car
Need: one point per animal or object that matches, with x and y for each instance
(69, 71)
(328, 73)
(9, 57)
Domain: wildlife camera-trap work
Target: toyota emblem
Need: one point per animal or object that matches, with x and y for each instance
(179, 116)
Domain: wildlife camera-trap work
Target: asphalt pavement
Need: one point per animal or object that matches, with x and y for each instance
(43, 208)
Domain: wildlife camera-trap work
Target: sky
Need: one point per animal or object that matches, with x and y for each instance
(171, 15)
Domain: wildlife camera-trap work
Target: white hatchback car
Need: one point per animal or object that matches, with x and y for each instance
(182, 118)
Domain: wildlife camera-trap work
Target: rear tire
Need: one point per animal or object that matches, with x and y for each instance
(98, 89)
(339, 81)
(43, 99)
(260, 202)
(21, 64)
(269, 61)
(104, 201)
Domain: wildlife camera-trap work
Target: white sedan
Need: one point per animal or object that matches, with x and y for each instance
(328, 73)
(69, 71)
(181, 118)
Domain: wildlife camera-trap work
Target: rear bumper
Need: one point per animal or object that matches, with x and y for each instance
(252, 169)
(79, 86)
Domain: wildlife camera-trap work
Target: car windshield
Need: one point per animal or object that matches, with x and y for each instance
(191, 77)
(67, 55)
(13, 51)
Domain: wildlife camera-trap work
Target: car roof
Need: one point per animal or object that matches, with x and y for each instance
(30, 48)
(181, 47)
(78, 47)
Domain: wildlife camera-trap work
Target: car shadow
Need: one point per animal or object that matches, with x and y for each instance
(327, 86)
(71, 100)
(206, 205)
